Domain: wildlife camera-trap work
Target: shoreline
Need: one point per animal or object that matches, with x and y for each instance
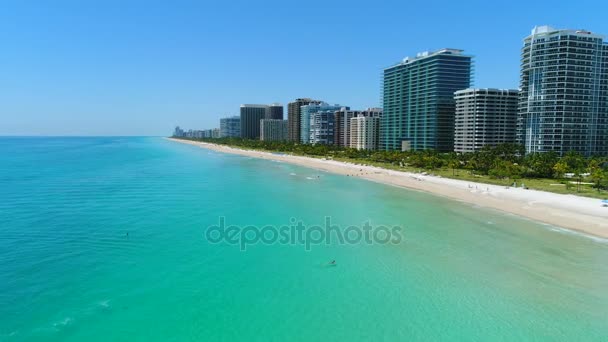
(582, 214)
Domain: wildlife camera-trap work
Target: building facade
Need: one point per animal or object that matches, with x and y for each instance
(322, 127)
(294, 117)
(563, 103)
(365, 132)
(275, 111)
(342, 123)
(215, 133)
(418, 100)
(251, 114)
(484, 117)
(273, 130)
(230, 127)
(306, 116)
(178, 132)
(198, 134)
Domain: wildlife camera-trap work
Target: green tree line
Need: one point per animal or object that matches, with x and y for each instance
(504, 161)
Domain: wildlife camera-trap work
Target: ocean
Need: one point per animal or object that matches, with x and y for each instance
(108, 239)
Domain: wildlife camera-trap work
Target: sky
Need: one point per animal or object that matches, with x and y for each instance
(143, 67)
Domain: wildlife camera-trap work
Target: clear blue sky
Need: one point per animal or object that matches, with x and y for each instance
(141, 67)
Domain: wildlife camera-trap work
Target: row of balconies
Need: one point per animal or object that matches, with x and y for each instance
(478, 137)
(543, 64)
(559, 61)
(561, 67)
(485, 109)
(533, 107)
(551, 89)
(539, 57)
(583, 53)
(579, 79)
(584, 46)
(480, 102)
(460, 129)
(562, 50)
(565, 42)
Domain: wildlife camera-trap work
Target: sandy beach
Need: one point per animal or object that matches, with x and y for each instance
(582, 214)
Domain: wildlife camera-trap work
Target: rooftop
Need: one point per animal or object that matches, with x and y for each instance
(472, 90)
(547, 30)
(428, 54)
(254, 106)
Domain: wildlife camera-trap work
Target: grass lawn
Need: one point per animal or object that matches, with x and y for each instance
(543, 184)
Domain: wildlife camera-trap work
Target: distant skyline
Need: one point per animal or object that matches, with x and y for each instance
(138, 68)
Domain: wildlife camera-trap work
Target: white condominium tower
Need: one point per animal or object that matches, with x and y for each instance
(342, 123)
(365, 132)
(563, 103)
(484, 117)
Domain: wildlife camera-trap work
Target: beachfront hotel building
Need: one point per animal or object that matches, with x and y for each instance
(563, 103)
(230, 127)
(306, 113)
(484, 117)
(322, 127)
(275, 111)
(273, 130)
(251, 114)
(294, 117)
(342, 123)
(418, 100)
(364, 132)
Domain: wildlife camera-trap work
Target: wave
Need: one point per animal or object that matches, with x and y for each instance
(576, 233)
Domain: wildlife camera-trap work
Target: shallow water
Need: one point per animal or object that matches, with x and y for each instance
(103, 239)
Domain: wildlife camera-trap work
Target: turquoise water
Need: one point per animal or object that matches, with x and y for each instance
(69, 272)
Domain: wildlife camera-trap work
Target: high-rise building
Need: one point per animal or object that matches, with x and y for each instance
(215, 133)
(178, 132)
(563, 103)
(418, 97)
(273, 130)
(484, 117)
(364, 132)
(322, 127)
(230, 127)
(275, 111)
(342, 123)
(306, 116)
(251, 114)
(196, 134)
(294, 117)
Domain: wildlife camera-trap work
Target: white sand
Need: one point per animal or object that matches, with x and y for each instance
(568, 211)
